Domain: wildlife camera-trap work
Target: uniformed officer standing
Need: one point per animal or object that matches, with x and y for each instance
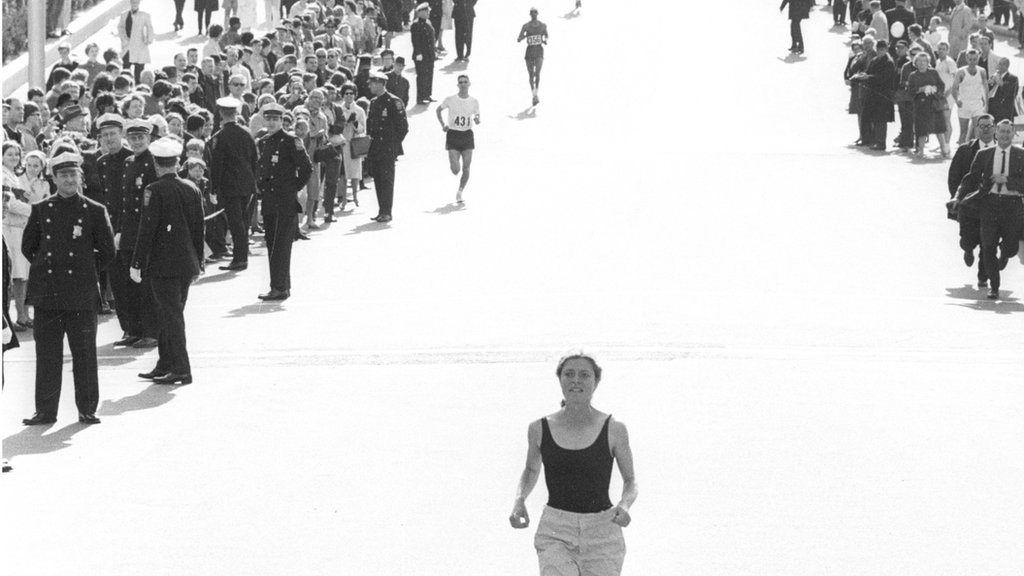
(110, 169)
(423, 38)
(134, 302)
(68, 240)
(233, 177)
(170, 252)
(284, 168)
(387, 125)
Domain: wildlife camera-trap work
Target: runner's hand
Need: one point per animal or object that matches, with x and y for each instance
(519, 518)
(622, 517)
(444, 128)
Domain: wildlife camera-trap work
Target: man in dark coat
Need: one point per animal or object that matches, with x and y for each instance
(284, 168)
(386, 125)
(170, 252)
(397, 84)
(233, 177)
(423, 39)
(463, 14)
(68, 240)
(900, 14)
(879, 82)
(1003, 92)
(967, 216)
(798, 10)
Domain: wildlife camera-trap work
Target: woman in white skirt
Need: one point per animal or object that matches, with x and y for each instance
(353, 118)
(580, 532)
(17, 209)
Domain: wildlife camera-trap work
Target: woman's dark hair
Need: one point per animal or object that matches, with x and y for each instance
(104, 83)
(215, 31)
(105, 101)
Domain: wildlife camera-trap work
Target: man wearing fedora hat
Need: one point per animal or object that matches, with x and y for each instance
(68, 240)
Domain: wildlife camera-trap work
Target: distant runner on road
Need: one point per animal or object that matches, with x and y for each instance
(536, 34)
(463, 112)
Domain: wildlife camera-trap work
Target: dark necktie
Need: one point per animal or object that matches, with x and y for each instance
(128, 24)
(1002, 169)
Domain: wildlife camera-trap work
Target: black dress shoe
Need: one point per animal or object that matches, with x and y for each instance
(301, 236)
(180, 379)
(384, 219)
(38, 419)
(879, 147)
(155, 372)
(275, 295)
(235, 266)
(127, 340)
(146, 342)
(329, 218)
(88, 419)
(993, 294)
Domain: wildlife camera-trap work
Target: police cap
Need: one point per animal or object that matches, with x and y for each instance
(138, 126)
(166, 148)
(65, 160)
(110, 120)
(227, 102)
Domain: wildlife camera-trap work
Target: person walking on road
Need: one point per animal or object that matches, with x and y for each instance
(423, 55)
(463, 113)
(387, 126)
(135, 30)
(929, 94)
(233, 177)
(961, 22)
(535, 33)
(170, 251)
(284, 168)
(798, 10)
(967, 216)
(463, 14)
(580, 531)
(68, 240)
(970, 90)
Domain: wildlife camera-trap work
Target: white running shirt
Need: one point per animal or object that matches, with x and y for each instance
(461, 112)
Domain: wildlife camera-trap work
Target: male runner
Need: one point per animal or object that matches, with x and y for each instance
(536, 34)
(463, 112)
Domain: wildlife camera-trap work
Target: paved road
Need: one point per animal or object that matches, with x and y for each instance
(810, 382)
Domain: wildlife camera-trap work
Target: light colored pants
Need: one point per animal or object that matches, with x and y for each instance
(571, 544)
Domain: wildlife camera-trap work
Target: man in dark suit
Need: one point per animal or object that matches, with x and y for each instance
(284, 168)
(423, 38)
(233, 177)
(463, 14)
(967, 216)
(68, 240)
(798, 10)
(996, 183)
(170, 252)
(898, 13)
(879, 80)
(386, 125)
(397, 84)
(134, 302)
(1003, 92)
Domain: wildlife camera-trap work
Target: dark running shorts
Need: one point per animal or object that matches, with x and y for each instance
(459, 140)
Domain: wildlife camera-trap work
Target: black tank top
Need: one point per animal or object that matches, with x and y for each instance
(577, 480)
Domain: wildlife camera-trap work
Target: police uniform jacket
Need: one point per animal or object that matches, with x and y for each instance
(423, 40)
(170, 242)
(232, 161)
(68, 241)
(92, 187)
(139, 172)
(398, 86)
(111, 168)
(387, 125)
(284, 168)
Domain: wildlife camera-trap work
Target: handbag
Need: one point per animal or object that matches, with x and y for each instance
(358, 146)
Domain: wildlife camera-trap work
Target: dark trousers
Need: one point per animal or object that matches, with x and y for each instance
(839, 11)
(796, 34)
(384, 183)
(331, 170)
(179, 5)
(49, 331)
(879, 129)
(867, 129)
(970, 238)
(216, 234)
(424, 78)
(237, 210)
(286, 6)
(463, 37)
(279, 227)
(170, 295)
(204, 20)
(136, 68)
(1002, 224)
(435, 21)
(133, 302)
(906, 137)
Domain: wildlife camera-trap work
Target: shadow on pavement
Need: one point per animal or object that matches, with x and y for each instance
(454, 67)
(214, 278)
(527, 114)
(837, 29)
(571, 14)
(165, 36)
(793, 58)
(257, 308)
(447, 209)
(1005, 305)
(34, 440)
(418, 109)
(152, 396)
(110, 356)
(368, 227)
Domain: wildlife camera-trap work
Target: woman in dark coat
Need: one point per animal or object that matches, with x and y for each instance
(204, 11)
(798, 10)
(852, 68)
(928, 91)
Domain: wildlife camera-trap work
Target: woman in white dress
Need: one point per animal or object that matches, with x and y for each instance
(17, 208)
(247, 14)
(354, 118)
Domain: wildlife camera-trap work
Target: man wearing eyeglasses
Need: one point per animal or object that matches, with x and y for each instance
(966, 216)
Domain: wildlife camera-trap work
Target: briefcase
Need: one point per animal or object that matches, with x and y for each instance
(358, 146)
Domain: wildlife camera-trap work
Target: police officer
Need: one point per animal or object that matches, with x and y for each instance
(110, 172)
(134, 303)
(387, 125)
(283, 169)
(423, 38)
(68, 240)
(170, 252)
(463, 13)
(233, 177)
